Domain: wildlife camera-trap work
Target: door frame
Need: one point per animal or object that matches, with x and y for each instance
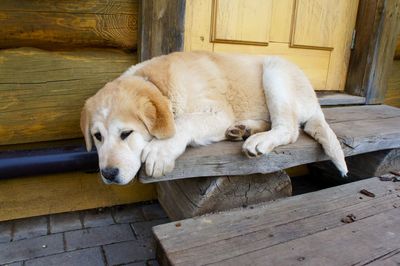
(162, 25)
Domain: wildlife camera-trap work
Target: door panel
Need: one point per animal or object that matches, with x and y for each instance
(315, 34)
(237, 21)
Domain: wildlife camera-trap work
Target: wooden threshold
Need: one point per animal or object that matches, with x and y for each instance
(300, 230)
(336, 98)
(360, 129)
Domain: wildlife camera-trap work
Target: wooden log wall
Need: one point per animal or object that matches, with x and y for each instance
(66, 24)
(43, 91)
(54, 55)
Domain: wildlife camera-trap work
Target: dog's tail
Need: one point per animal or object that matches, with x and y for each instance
(318, 128)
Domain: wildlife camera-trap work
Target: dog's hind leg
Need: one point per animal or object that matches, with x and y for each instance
(278, 87)
(241, 130)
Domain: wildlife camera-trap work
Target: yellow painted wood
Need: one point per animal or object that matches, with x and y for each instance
(42, 92)
(282, 12)
(392, 96)
(64, 24)
(314, 63)
(236, 20)
(315, 22)
(41, 195)
(197, 30)
(340, 55)
(323, 38)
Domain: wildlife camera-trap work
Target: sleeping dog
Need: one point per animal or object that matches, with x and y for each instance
(154, 110)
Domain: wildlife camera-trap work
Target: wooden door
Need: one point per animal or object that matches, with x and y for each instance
(314, 34)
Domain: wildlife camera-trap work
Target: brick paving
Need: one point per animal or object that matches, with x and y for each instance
(120, 235)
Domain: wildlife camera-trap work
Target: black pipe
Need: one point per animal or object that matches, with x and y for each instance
(19, 163)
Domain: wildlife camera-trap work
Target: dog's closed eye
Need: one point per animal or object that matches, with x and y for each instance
(126, 134)
(97, 135)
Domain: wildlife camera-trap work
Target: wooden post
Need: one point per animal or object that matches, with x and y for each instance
(360, 166)
(377, 25)
(186, 198)
(161, 25)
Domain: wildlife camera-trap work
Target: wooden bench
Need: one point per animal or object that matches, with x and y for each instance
(203, 181)
(334, 226)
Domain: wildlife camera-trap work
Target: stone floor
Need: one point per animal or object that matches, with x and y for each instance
(120, 235)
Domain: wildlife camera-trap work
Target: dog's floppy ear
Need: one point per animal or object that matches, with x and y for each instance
(85, 122)
(155, 112)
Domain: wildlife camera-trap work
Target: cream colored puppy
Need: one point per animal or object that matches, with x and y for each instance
(154, 110)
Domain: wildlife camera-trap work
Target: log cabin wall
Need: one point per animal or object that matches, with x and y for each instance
(54, 55)
(392, 96)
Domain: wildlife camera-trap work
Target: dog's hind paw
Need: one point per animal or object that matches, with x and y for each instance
(237, 132)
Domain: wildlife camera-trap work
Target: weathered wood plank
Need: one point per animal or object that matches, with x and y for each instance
(161, 27)
(65, 24)
(55, 193)
(269, 228)
(361, 129)
(326, 99)
(377, 27)
(187, 198)
(392, 96)
(43, 92)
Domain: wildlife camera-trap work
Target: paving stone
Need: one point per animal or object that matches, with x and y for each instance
(19, 263)
(97, 236)
(5, 231)
(31, 248)
(86, 257)
(97, 217)
(153, 212)
(63, 222)
(143, 230)
(30, 227)
(128, 214)
(125, 252)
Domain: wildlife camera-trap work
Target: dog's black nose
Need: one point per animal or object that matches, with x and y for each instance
(110, 173)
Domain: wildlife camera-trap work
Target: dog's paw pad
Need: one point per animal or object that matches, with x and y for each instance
(237, 132)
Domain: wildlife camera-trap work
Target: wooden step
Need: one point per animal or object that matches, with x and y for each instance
(307, 229)
(360, 129)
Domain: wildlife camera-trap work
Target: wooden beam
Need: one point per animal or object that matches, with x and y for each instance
(377, 27)
(360, 129)
(42, 92)
(301, 230)
(67, 24)
(161, 27)
(329, 98)
(47, 194)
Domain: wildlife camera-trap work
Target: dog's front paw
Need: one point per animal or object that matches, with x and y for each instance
(159, 158)
(257, 145)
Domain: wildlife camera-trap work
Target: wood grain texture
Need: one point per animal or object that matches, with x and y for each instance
(234, 21)
(392, 96)
(161, 27)
(43, 92)
(301, 229)
(42, 195)
(282, 12)
(65, 24)
(397, 52)
(360, 129)
(326, 99)
(370, 62)
(187, 198)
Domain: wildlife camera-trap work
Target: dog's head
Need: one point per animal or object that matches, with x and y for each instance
(121, 119)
